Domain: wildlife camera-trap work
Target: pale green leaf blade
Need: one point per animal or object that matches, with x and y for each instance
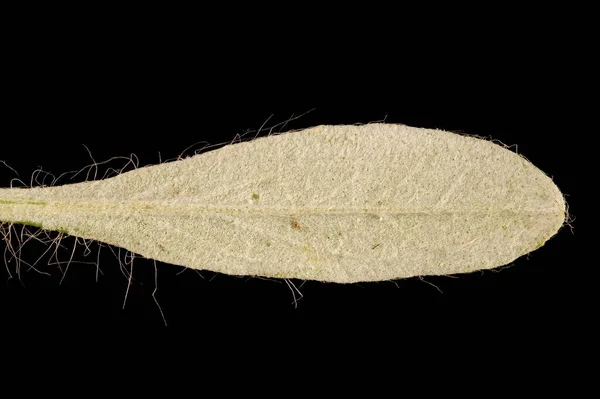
(330, 203)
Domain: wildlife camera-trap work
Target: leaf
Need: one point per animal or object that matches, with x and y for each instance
(329, 203)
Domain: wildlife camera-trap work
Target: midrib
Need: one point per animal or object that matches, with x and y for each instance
(171, 208)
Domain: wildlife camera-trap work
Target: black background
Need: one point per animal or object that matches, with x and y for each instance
(143, 95)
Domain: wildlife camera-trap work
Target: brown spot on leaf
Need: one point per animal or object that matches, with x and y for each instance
(295, 225)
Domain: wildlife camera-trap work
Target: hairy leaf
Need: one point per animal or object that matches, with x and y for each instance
(330, 203)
